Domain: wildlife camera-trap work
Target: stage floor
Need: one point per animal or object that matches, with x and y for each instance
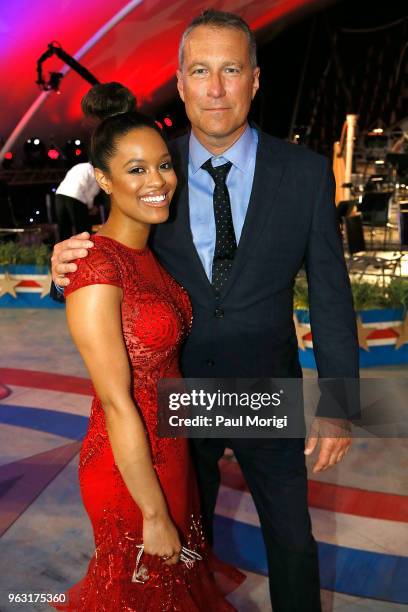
(359, 508)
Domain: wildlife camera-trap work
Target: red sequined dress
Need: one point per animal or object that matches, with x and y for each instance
(156, 316)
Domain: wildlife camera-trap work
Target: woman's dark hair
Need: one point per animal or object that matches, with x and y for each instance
(105, 99)
(115, 105)
(107, 134)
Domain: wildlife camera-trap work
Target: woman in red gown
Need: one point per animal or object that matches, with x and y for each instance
(128, 318)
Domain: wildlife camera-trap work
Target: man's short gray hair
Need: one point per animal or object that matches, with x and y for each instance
(220, 19)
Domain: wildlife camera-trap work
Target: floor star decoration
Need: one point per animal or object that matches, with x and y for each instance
(8, 285)
(402, 331)
(363, 333)
(45, 286)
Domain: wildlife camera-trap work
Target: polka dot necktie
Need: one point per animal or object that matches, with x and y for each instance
(225, 242)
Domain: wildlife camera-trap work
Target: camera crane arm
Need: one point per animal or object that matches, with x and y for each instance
(55, 77)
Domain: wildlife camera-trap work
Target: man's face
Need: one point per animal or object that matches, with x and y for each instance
(217, 82)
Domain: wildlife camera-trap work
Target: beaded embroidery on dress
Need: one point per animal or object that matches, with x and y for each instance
(156, 317)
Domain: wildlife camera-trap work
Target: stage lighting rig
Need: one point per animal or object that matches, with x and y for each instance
(53, 83)
(75, 151)
(35, 154)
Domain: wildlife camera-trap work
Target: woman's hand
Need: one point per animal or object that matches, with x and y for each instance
(160, 538)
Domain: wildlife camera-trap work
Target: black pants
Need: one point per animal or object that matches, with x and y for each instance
(275, 473)
(72, 216)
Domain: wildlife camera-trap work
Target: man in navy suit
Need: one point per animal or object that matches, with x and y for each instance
(275, 213)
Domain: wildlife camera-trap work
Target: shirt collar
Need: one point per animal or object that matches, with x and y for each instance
(237, 154)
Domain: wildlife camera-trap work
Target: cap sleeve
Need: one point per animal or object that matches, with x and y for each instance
(100, 267)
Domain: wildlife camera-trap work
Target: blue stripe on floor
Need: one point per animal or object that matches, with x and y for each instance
(345, 570)
(63, 424)
(364, 573)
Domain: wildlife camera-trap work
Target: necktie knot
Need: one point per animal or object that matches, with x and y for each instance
(219, 173)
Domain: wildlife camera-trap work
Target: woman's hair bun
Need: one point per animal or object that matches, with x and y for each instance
(107, 100)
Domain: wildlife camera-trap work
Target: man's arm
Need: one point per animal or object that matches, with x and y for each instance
(332, 319)
(63, 255)
(332, 315)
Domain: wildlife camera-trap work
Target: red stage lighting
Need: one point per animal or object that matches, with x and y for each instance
(168, 121)
(78, 152)
(53, 154)
(8, 160)
(159, 124)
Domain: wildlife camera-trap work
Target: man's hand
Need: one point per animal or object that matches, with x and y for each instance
(335, 441)
(65, 252)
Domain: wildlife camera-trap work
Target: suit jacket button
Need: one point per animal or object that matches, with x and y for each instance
(219, 313)
(210, 362)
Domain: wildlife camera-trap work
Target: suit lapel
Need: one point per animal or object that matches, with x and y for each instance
(269, 169)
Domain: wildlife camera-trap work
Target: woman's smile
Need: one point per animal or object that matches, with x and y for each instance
(156, 200)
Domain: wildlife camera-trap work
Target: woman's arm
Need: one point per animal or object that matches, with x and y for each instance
(94, 319)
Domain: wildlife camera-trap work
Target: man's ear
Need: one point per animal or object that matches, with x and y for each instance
(103, 180)
(180, 84)
(255, 85)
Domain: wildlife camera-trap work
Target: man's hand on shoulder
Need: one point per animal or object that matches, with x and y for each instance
(335, 441)
(66, 252)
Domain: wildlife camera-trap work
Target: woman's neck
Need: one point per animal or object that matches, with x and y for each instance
(132, 234)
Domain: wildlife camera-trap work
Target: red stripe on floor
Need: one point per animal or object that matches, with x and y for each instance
(358, 502)
(336, 498)
(46, 380)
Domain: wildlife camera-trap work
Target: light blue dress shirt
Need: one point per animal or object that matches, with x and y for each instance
(242, 155)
